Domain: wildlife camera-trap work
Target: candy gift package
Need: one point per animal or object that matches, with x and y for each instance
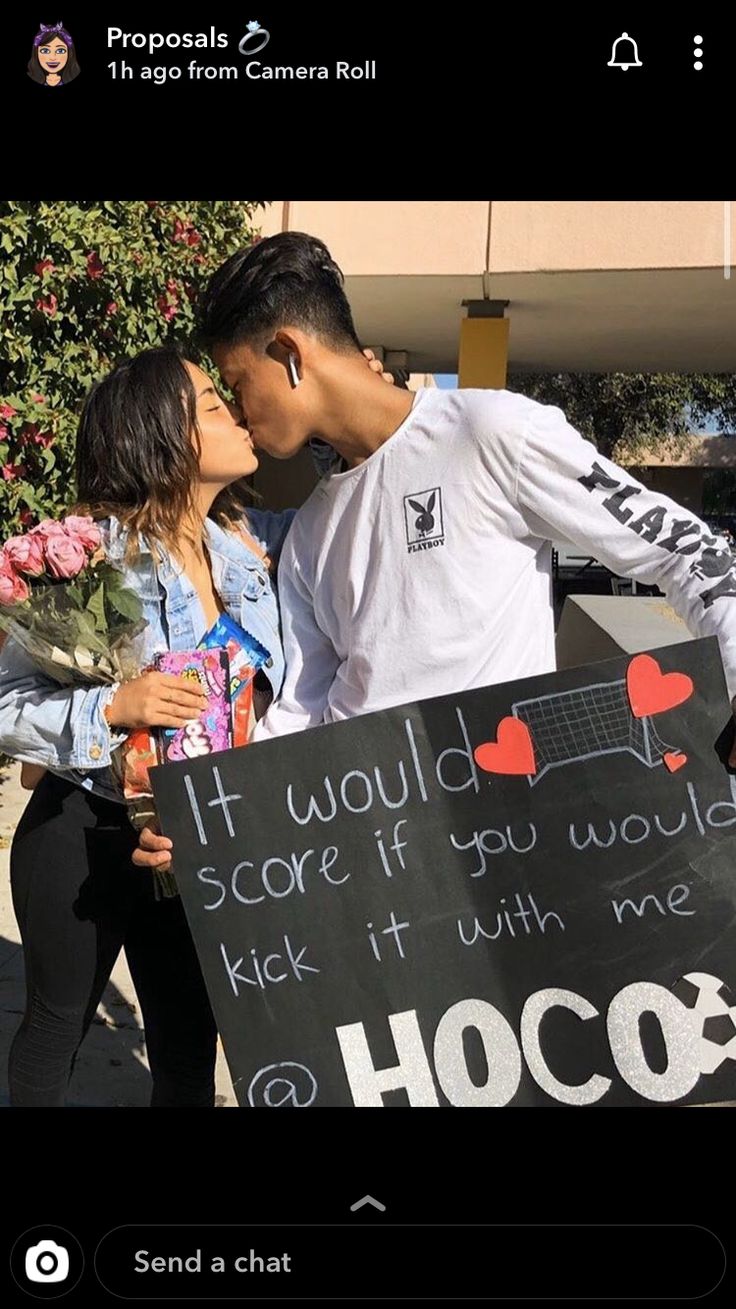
(224, 665)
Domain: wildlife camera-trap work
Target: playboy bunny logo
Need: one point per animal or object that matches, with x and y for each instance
(423, 519)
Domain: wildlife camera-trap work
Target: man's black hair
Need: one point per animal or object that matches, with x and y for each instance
(285, 280)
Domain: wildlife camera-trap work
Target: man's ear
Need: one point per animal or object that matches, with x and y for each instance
(289, 342)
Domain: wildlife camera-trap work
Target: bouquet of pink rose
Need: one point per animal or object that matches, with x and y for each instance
(67, 605)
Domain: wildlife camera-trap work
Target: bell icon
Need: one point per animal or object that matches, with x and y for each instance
(624, 53)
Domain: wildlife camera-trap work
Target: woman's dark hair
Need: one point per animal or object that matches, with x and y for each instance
(135, 458)
(45, 37)
(289, 279)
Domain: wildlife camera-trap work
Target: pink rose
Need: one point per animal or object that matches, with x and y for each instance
(84, 529)
(25, 554)
(38, 399)
(65, 556)
(49, 306)
(7, 411)
(111, 308)
(12, 587)
(48, 528)
(43, 266)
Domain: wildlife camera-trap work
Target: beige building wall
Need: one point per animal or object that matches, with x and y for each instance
(457, 238)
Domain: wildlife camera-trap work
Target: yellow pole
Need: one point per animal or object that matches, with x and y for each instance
(484, 352)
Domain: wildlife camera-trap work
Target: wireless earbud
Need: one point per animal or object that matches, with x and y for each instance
(293, 373)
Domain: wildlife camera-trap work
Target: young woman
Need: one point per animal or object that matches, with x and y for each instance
(159, 457)
(160, 460)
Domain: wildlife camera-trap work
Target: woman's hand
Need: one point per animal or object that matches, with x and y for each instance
(376, 366)
(154, 850)
(156, 700)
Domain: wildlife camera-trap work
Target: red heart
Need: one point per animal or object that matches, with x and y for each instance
(651, 691)
(511, 752)
(674, 761)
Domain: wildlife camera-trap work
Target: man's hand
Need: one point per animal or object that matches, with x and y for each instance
(376, 366)
(154, 850)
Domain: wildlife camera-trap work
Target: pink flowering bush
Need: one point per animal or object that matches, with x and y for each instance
(84, 283)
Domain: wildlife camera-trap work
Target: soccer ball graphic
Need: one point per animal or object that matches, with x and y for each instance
(709, 1000)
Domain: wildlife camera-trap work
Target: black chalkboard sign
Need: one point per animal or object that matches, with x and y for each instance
(523, 894)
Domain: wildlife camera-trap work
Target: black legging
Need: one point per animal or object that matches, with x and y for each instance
(79, 900)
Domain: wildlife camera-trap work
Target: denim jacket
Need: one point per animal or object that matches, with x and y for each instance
(64, 728)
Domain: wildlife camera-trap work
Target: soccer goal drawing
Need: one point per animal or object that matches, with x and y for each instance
(571, 726)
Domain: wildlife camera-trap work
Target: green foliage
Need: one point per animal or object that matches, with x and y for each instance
(629, 411)
(83, 284)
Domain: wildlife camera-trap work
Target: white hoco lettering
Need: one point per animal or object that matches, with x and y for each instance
(414, 1074)
(411, 1074)
(532, 1014)
(503, 1058)
(679, 1033)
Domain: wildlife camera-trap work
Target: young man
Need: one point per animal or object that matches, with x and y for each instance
(421, 564)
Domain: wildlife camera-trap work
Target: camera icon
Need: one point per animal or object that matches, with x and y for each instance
(47, 1262)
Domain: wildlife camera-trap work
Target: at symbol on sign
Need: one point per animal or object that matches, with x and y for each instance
(286, 1084)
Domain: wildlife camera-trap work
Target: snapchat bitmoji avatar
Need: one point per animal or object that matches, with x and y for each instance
(53, 60)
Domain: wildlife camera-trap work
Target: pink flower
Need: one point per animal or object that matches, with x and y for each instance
(95, 267)
(65, 556)
(38, 399)
(11, 471)
(7, 411)
(42, 266)
(25, 554)
(3, 432)
(83, 529)
(111, 308)
(48, 528)
(48, 306)
(185, 231)
(169, 307)
(31, 434)
(12, 587)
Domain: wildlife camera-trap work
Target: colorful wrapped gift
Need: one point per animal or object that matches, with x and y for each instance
(211, 730)
(246, 655)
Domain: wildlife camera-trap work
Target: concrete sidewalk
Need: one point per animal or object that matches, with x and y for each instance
(111, 1069)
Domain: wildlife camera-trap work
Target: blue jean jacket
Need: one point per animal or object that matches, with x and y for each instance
(64, 728)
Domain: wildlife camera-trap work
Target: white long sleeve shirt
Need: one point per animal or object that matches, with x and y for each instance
(426, 570)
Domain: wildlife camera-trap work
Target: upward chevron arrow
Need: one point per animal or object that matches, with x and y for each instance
(368, 1199)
